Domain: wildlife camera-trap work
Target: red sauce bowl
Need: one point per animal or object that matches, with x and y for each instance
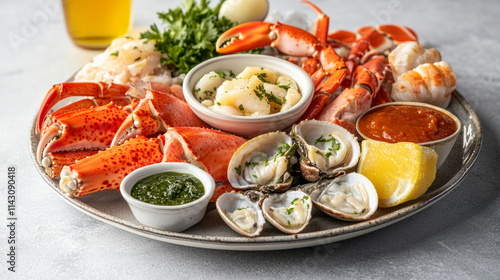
(416, 122)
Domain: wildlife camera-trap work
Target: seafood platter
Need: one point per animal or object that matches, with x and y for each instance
(376, 131)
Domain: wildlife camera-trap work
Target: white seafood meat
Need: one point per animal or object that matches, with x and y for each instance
(263, 163)
(289, 212)
(326, 149)
(351, 197)
(241, 213)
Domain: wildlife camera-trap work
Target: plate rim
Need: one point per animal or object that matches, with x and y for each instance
(282, 241)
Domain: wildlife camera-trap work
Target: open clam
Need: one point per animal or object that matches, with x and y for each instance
(263, 163)
(326, 149)
(289, 212)
(242, 212)
(350, 198)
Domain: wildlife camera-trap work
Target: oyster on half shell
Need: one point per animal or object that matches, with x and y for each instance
(289, 212)
(350, 198)
(326, 149)
(263, 163)
(242, 212)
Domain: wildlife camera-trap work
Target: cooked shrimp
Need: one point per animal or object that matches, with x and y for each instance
(409, 55)
(429, 83)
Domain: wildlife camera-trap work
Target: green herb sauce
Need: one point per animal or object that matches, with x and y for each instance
(168, 188)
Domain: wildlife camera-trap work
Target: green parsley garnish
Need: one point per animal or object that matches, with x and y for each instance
(137, 58)
(242, 208)
(221, 74)
(189, 34)
(289, 210)
(285, 87)
(115, 53)
(238, 170)
(241, 107)
(282, 149)
(262, 76)
(218, 103)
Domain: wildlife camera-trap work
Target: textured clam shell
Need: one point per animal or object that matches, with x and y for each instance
(230, 202)
(349, 179)
(265, 144)
(312, 129)
(284, 200)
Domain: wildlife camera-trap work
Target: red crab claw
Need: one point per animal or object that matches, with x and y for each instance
(61, 91)
(245, 37)
(154, 114)
(342, 37)
(398, 33)
(286, 38)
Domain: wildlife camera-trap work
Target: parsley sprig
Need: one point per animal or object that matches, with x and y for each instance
(189, 36)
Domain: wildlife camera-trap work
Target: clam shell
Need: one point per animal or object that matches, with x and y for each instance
(350, 198)
(240, 213)
(320, 156)
(289, 212)
(263, 163)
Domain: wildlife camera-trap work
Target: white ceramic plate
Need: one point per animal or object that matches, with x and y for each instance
(109, 206)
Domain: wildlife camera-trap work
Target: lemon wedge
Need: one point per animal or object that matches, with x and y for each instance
(399, 171)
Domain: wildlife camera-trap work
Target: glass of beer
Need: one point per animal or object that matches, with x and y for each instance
(93, 24)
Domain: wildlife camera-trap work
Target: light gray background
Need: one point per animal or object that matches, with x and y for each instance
(457, 238)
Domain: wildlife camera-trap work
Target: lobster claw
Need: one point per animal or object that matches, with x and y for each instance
(245, 37)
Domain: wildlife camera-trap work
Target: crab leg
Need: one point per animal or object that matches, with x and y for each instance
(154, 113)
(352, 102)
(61, 91)
(106, 169)
(207, 148)
(92, 128)
(57, 160)
(321, 24)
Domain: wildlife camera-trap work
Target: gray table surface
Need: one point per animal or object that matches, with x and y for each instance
(456, 238)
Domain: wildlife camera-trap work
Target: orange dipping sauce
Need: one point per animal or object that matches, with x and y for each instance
(406, 123)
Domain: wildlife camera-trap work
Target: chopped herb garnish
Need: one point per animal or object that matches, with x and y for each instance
(285, 87)
(221, 74)
(293, 201)
(262, 76)
(241, 107)
(196, 90)
(266, 163)
(289, 210)
(231, 74)
(247, 164)
(218, 103)
(282, 149)
(115, 53)
(137, 58)
(238, 170)
(335, 143)
(255, 176)
(243, 208)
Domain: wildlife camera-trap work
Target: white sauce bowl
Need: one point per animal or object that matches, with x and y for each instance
(176, 217)
(244, 125)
